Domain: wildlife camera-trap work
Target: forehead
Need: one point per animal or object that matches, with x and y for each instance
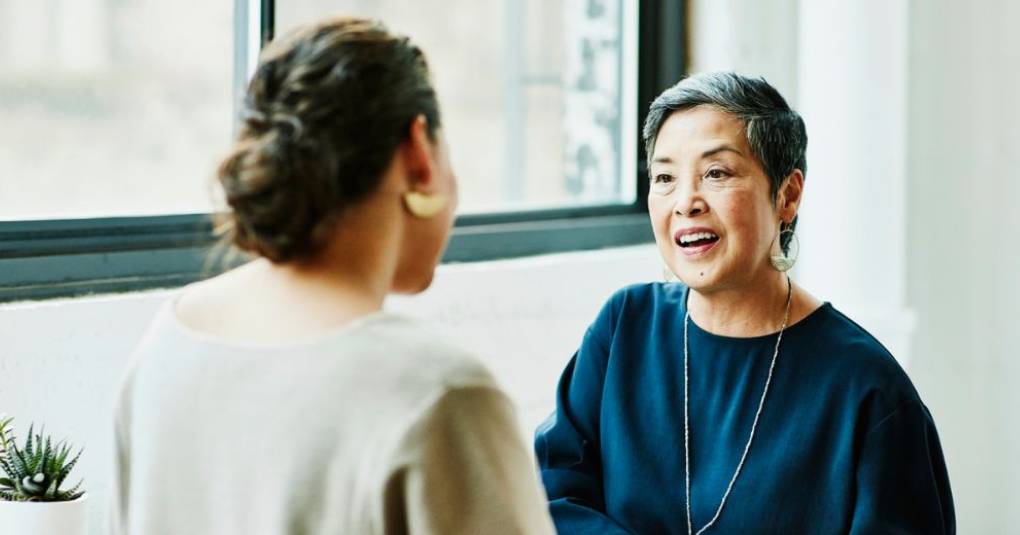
(690, 132)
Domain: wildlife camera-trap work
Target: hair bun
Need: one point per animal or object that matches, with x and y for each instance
(273, 215)
(323, 115)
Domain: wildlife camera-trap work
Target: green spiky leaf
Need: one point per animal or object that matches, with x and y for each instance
(73, 494)
(6, 466)
(20, 464)
(28, 443)
(48, 458)
(6, 434)
(36, 471)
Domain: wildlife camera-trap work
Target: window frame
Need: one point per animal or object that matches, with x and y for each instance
(54, 258)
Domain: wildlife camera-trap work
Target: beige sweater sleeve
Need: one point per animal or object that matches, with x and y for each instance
(464, 469)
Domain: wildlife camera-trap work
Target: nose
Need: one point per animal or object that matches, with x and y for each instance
(689, 201)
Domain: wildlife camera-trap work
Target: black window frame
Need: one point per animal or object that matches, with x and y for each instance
(43, 259)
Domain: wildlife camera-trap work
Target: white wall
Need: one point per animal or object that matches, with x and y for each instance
(60, 361)
(964, 245)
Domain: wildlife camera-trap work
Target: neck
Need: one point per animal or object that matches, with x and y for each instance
(269, 302)
(754, 310)
(354, 272)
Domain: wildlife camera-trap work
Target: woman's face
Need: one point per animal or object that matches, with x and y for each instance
(709, 201)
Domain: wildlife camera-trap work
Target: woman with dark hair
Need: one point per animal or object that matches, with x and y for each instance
(733, 401)
(279, 397)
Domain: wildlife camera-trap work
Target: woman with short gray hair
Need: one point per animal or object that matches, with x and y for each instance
(731, 400)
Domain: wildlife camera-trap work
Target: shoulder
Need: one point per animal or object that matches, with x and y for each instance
(159, 336)
(640, 305)
(629, 316)
(856, 358)
(445, 386)
(638, 300)
(159, 343)
(846, 339)
(648, 294)
(423, 357)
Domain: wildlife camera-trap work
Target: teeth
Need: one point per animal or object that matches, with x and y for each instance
(688, 238)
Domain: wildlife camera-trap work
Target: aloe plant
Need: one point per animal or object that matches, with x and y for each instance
(36, 471)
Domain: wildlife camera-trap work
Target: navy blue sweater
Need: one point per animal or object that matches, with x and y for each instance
(844, 443)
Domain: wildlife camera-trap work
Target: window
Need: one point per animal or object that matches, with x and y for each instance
(108, 110)
(119, 121)
(537, 95)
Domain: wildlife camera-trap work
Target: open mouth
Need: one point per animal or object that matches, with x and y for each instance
(697, 240)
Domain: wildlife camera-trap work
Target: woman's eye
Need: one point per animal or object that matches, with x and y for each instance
(716, 174)
(662, 179)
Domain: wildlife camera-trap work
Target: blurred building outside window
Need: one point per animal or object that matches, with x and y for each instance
(124, 107)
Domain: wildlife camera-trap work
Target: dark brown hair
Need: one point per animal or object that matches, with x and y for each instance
(323, 115)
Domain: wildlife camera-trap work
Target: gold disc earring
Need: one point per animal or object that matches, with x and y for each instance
(424, 205)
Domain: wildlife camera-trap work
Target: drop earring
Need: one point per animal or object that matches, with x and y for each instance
(424, 205)
(786, 259)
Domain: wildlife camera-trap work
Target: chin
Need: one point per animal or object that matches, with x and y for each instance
(699, 278)
(413, 285)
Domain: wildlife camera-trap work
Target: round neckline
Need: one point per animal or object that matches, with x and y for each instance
(233, 342)
(812, 316)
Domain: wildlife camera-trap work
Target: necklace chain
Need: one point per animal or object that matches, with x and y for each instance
(754, 426)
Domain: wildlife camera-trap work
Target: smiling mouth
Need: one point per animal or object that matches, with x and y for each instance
(693, 242)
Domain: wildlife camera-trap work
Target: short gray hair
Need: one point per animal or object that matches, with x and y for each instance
(774, 131)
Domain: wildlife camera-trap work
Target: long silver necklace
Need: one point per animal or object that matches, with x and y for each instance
(754, 426)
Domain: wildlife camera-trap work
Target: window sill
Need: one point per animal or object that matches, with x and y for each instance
(70, 258)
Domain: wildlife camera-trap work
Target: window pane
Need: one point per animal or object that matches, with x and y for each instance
(112, 107)
(533, 92)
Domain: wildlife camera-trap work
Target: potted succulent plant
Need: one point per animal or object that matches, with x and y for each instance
(32, 498)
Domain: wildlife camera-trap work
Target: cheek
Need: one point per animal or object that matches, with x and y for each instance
(659, 207)
(659, 212)
(453, 195)
(749, 222)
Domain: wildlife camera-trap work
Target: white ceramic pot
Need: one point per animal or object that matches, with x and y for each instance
(44, 518)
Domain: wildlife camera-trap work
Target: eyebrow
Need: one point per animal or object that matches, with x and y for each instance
(707, 154)
(722, 148)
